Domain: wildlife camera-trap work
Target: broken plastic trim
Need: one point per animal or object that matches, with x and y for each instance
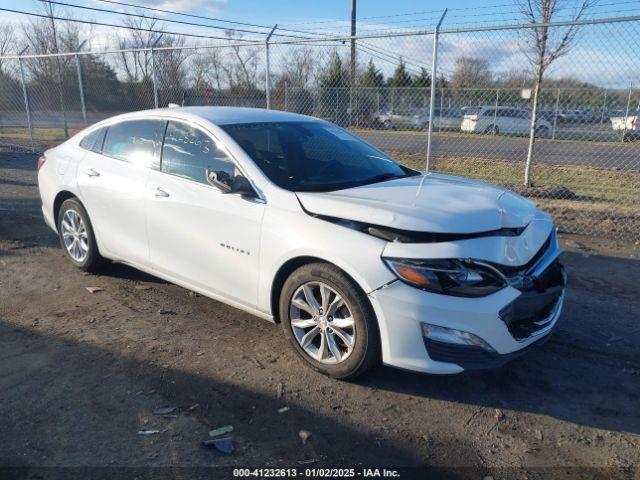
(408, 236)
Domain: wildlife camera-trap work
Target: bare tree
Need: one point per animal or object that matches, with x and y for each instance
(299, 66)
(471, 72)
(7, 42)
(39, 34)
(544, 45)
(241, 69)
(137, 64)
(207, 69)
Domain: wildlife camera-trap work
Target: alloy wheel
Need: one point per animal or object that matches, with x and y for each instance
(74, 234)
(322, 323)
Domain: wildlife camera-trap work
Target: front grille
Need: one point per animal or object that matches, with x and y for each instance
(536, 306)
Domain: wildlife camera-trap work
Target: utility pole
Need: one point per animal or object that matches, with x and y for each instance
(353, 61)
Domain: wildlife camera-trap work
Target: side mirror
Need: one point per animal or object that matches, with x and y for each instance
(242, 186)
(223, 181)
(219, 179)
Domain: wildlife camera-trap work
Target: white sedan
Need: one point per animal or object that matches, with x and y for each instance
(295, 220)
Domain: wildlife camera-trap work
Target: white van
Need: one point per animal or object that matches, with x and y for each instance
(506, 120)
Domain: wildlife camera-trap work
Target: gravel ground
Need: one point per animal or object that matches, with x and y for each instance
(82, 373)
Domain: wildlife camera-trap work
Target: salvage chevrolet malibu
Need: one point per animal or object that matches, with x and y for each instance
(293, 219)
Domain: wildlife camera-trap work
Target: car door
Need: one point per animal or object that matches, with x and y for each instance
(112, 181)
(198, 234)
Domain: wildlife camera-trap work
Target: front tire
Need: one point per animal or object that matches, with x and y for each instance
(329, 321)
(77, 238)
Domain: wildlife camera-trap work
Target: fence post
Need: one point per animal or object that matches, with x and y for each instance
(267, 73)
(555, 115)
(626, 113)
(80, 86)
(604, 107)
(153, 73)
(441, 106)
(153, 78)
(432, 100)
(495, 111)
(286, 95)
(25, 94)
(82, 104)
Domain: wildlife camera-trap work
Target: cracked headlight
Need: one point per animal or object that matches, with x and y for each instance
(461, 278)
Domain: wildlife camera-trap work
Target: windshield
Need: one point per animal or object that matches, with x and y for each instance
(313, 156)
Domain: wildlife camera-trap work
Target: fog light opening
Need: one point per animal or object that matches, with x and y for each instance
(437, 333)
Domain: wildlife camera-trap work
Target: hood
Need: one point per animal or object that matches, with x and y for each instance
(426, 203)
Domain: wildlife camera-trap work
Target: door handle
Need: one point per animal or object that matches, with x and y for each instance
(92, 172)
(161, 193)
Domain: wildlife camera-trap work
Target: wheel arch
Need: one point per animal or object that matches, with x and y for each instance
(60, 198)
(292, 264)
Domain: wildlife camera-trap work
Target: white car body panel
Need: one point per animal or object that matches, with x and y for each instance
(430, 203)
(231, 248)
(113, 191)
(511, 251)
(203, 236)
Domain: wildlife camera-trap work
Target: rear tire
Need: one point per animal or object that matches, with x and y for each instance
(542, 132)
(491, 130)
(347, 315)
(77, 238)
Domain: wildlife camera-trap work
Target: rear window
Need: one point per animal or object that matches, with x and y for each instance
(135, 141)
(93, 140)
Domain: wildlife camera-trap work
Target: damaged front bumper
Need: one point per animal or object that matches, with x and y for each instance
(492, 330)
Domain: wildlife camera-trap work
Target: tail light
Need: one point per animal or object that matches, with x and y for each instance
(41, 161)
(636, 122)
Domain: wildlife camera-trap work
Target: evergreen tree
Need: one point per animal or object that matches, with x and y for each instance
(372, 77)
(423, 80)
(334, 91)
(400, 78)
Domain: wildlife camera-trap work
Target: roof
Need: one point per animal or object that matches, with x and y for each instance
(231, 115)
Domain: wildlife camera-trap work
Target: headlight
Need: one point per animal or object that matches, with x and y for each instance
(460, 278)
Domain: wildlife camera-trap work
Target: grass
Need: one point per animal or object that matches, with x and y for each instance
(43, 137)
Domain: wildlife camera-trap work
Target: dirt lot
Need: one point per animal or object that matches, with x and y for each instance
(81, 373)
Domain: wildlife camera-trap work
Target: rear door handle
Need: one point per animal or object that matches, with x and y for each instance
(92, 172)
(161, 193)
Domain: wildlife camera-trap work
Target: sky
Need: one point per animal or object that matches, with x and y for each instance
(608, 53)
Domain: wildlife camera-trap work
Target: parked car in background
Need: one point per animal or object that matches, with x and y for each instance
(629, 125)
(445, 119)
(295, 220)
(503, 120)
(570, 116)
(403, 118)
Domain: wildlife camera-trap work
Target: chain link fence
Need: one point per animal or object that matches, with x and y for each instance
(584, 147)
